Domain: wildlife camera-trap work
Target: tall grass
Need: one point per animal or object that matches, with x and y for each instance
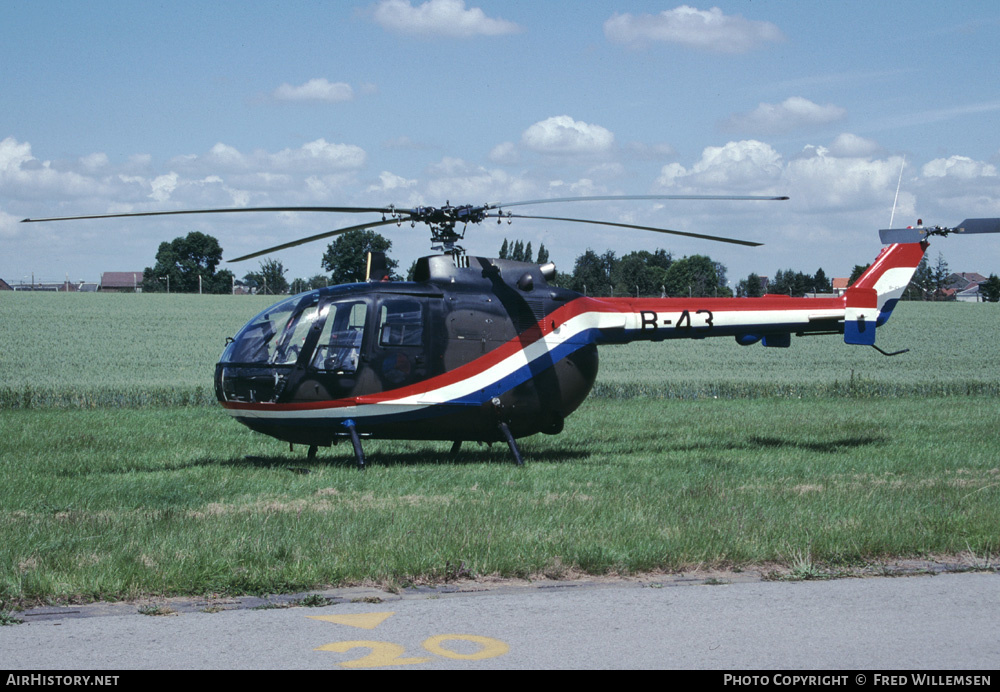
(84, 351)
(89, 350)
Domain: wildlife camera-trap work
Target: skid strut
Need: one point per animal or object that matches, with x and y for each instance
(359, 453)
(511, 442)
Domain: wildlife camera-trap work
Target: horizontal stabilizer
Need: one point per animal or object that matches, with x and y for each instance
(889, 236)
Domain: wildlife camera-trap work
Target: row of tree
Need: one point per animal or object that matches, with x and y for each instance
(519, 252)
(189, 265)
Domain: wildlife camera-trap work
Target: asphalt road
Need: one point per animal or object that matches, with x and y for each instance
(944, 621)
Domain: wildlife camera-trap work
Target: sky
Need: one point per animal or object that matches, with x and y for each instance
(861, 112)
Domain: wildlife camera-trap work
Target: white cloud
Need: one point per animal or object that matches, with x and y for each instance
(815, 180)
(961, 167)
(820, 181)
(793, 113)
(450, 166)
(849, 145)
(24, 176)
(312, 157)
(319, 154)
(163, 186)
(315, 90)
(94, 162)
(709, 30)
(563, 135)
(471, 184)
(390, 181)
(584, 187)
(226, 157)
(439, 18)
(8, 225)
(504, 153)
(736, 166)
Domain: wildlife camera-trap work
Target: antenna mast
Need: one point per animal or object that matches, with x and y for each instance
(896, 198)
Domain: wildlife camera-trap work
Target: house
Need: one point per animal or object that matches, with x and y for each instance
(970, 295)
(121, 282)
(840, 286)
(4, 286)
(964, 286)
(963, 280)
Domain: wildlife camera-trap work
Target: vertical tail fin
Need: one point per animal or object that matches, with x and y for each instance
(870, 299)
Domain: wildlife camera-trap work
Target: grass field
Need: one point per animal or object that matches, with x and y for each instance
(107, 493)
(105, 350)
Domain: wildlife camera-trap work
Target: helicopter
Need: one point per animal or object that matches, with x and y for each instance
(488, 350)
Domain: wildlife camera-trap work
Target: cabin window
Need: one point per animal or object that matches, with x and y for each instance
(339, 346)
(401, 323)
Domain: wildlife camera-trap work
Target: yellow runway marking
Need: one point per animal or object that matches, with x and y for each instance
(491, 648)
(365, 621)
(382, 654)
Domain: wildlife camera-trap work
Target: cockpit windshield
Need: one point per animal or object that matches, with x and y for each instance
(276, 335)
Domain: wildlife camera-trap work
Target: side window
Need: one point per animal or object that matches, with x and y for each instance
(339, 345)
(401, 323)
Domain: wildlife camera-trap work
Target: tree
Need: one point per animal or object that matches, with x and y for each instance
(543, 254)
(317, 281)
(270, 279)
(590, 273)
(346, 257)
(750, 287)
(696, 275)
(641, 271)
(921, 286)
(939, 276)
(821, 284)
(505, 250)
(991, 289)
(857, 272)
(188, 263)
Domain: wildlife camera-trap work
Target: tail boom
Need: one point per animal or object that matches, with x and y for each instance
(770, 319)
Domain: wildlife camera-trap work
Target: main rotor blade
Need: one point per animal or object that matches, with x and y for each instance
(318, 236)
(629, 225)
(229, 210)
(606, 198)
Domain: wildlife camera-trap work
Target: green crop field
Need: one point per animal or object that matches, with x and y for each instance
(120, 478)
(128, 349)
